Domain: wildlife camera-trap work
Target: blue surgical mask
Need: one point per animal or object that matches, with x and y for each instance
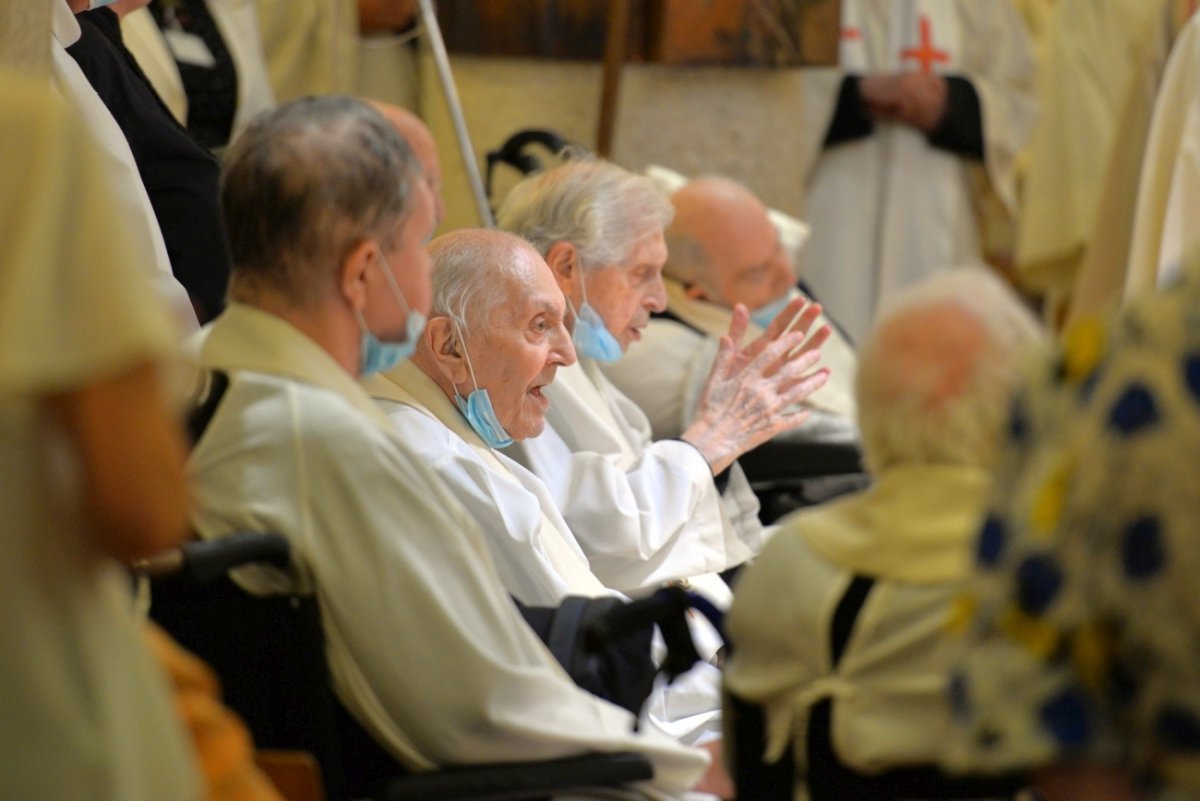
(764, 315)
(477, 407)
(94, 4)
(591, 336)
(376, 356)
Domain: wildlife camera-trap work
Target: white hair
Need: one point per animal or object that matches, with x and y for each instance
(600, 208)
(467, 270)
(937, 373)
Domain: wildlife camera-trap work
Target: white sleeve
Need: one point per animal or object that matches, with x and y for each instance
(660, 519)
(1001, 69)
(663, 375)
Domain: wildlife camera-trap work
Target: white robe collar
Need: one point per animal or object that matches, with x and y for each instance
(408, 384)
(916, 524)
(583, 414)
(247, 338)
(63, 24)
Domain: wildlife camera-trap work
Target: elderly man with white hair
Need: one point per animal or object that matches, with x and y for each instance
(494, 342)
(840, 627)
(647, 511)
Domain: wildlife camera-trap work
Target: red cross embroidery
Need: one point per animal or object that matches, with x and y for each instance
(851, 33)
(926, 53)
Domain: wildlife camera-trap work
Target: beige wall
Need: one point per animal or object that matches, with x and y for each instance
(745, 123)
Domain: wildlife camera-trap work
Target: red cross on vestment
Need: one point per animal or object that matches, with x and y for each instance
(926, 53)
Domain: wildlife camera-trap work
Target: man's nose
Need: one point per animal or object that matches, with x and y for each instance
(656, 297)
(562, 350)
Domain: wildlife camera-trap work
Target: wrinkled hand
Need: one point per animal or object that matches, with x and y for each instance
(752, 391)
(913, 98)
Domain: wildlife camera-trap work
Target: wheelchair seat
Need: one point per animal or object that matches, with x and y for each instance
(269, 654)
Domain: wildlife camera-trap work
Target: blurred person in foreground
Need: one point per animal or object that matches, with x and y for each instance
(1084, 638)
(90, 477)
(839, 631)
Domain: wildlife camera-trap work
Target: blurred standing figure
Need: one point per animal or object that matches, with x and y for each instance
(90, 473)
(205, 60)
(311, 46)
(1086, 621)
(926, 92)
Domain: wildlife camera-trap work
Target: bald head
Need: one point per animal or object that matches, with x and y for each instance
(420, 139)
(723, 246)
(936, 373)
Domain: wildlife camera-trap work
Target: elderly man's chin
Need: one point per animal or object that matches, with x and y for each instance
(532, 419)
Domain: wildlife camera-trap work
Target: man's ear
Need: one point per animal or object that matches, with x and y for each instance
(445, 348)
(563, 259)
(353, 273)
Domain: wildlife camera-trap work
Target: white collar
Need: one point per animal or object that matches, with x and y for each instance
(248, 338)
(63, 24)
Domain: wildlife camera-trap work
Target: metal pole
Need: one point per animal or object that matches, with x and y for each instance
(442, 61)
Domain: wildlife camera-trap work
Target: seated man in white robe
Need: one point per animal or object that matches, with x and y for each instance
(873, 578)
(494, 341)
(328, 218)
(647, 511)
(723, 249)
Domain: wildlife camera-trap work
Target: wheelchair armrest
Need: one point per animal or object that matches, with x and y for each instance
(204, 561)
(513, 781)
(783, 461)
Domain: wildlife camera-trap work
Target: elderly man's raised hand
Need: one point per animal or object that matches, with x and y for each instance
(752, 392)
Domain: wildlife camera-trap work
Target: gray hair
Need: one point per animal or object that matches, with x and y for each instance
(467, 266)
(600, 208)
(937, 373)
(308, 182)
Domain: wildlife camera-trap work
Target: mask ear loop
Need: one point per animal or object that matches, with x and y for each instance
(582, 286)
(466, 353)
(395, 286)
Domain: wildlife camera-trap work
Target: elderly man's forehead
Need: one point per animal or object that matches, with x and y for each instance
(529, 287)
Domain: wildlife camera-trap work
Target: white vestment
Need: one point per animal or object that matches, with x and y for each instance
(311, 46)
(238, 24)
(128, 192)
(535, 553)
(1090, 52)
(425, 646)
(86, 711)
(1105, 266)
(1164, 229)
(665, 372)
(889, 209)
(913, 532)
(644, 512)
